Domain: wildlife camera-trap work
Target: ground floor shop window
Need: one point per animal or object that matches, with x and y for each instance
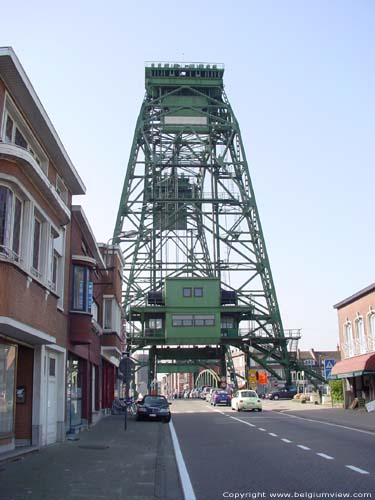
(7, 373)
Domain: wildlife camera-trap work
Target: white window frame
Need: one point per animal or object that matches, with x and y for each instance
(109, 301)
(33, 145)
(361, 337)
(348, 339)
(7, 248)
(61, 189)
(371, 328)
(29, 210)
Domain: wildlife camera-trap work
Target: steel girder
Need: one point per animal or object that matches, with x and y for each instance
(220, 232)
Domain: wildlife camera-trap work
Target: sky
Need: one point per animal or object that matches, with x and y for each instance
(300, 76)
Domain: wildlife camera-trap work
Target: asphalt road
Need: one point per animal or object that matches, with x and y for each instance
(230, 453)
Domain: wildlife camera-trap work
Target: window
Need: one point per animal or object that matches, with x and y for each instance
(372, 329)
(196, 320)
(361, 336)
(187, 292)
(155, 324)
(17, 221)
(348, 340)
(19, 139)
(16, 131)
(61, 189)
(227, 322)
(207, 319)
(56, 263)
(198, 292)
(36, 244)
(182, 320)
(94, 311)
(9, 129)
(52, 367)
(112, 315)
(55, 260)
(10, 223)
(80, 288)
(107, 314)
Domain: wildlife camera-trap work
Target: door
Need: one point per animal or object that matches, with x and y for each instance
(51, 399)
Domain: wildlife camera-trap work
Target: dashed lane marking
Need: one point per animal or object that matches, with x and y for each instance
(246, 423)
(303, 447)
(261, 429)
(286, 440)
(327, 457)
(272, 434)
(357, 469)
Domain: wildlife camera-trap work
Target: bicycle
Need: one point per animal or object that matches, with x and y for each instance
(131, 408)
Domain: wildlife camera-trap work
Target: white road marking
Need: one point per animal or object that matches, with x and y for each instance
(326, 423)
(303, 447)
(356, 469)
(261, 429)
(247, 423)
(323, 455)
(272, 434)
(286, 440)
(182, 470)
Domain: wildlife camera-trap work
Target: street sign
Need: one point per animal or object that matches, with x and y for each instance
(328, 365)
(125, 368)
(252, 378)
(262, 378)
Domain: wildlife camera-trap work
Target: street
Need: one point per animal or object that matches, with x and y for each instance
(228, 453)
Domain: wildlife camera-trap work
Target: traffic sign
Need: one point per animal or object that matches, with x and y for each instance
(328, 365)
(125, 369)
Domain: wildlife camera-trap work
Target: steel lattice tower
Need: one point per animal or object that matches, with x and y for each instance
(188, 210)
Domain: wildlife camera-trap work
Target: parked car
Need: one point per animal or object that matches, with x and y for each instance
(246, 400)
(220, 397)
(153, 408)
(204, 392)
(209, 394)
(283, 394)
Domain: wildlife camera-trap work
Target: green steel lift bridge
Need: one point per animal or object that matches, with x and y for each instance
(197, 277)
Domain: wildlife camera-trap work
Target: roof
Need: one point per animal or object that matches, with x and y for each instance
(354, 367)
(20, 88)
(356, 296)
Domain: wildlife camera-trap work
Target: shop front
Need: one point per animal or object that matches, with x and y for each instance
(358, 375)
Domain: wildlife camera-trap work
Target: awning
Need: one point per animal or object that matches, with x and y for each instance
(354, 367)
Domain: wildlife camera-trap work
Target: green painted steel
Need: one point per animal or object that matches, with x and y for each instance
(188, 211)
(174, 368)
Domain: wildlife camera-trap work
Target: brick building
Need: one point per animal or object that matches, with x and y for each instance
(356, 317)
(37, 181)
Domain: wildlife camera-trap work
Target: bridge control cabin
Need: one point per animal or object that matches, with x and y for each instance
(190, 311)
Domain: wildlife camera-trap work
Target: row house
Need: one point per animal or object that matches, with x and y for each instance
(94, 338)
(356, 318)
(60, 291)
(37, 182)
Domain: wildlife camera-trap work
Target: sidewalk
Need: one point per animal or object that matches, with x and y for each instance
(358, 419)
(105, 463)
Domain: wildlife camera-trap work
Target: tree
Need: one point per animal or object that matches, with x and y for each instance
(337, 392)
